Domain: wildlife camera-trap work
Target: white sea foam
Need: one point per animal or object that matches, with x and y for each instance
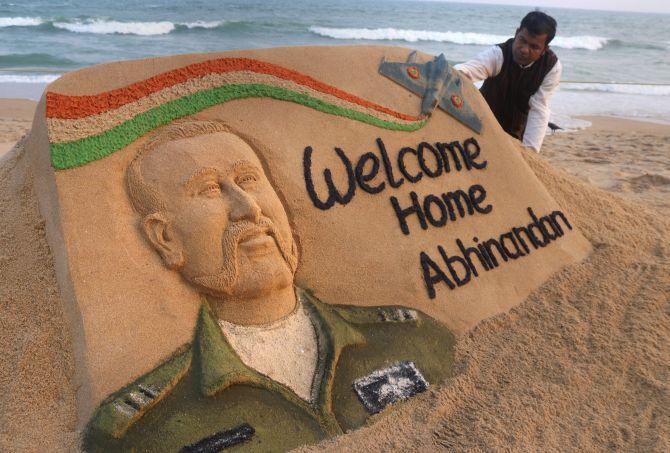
(584, 103)
(623, 88)
(456, 37)
(203, 24)
(20, 21)
(380, 34)
(580, 42)
(28, 78)
(109, 27)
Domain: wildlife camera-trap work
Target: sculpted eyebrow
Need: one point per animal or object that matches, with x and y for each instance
(198, 176)
(242, 165)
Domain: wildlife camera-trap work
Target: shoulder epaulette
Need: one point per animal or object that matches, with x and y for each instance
(369, 315)
(372, 315)
(119, 411)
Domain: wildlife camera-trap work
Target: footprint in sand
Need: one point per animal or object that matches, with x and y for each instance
(648, 181)
(596, 160)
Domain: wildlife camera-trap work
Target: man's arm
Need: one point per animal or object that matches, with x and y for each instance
(486, 64)
(538, 115)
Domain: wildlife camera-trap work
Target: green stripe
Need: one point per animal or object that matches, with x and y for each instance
(80, 152)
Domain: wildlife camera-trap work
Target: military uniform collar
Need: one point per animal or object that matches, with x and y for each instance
(219, 366)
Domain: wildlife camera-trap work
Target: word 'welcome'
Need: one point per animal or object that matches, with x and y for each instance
(432, 161)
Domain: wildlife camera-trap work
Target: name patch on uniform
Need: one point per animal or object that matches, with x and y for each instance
(222, 439)
(388, 385)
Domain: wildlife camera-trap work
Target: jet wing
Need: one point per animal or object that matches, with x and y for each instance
(438, 85)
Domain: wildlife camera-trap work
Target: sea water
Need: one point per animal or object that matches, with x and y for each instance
(615, 63)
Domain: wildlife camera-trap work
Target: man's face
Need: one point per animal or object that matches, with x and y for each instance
(223, 215)
(527, 47)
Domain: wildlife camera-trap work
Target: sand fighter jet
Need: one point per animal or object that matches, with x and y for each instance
(438, 85)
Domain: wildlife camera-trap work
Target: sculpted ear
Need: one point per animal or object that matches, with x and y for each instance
(159, 234)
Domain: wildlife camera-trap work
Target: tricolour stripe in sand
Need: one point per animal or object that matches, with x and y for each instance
(66, 106)
(65, 130)
(87, 128)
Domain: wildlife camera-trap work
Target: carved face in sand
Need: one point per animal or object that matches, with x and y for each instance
(220, 223)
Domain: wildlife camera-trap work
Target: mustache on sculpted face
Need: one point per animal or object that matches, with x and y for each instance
(225, 280)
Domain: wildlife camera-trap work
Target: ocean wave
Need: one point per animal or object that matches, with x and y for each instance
(20, 21)
(394, 34)
(636, 45)
(112, 27)
(580, 42)
(202, 24)
(455, 37)
(28, 78)
(622, 88)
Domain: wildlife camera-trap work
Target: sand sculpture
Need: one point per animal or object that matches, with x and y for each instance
(263, 353)
(179, 193)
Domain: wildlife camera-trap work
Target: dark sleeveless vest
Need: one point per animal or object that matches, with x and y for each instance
(508, 93)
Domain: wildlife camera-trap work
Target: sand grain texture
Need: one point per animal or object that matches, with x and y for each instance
(16, 116)
(363, 253)
(37, 411)
(582, 364)
(627, 157)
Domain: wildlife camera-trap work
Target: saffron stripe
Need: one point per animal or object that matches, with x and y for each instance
(66, 155)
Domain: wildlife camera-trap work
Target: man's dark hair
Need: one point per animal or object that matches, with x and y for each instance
(539, 23)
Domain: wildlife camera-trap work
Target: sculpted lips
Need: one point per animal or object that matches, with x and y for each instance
(257, 241)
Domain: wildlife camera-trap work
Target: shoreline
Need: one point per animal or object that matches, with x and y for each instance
(570, 108)
(624, 156)
(15, 112)
(613, 122)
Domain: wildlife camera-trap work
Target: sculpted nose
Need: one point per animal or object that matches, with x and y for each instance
(244, 207)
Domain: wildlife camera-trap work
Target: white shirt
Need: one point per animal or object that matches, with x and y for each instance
(489, 63)
(285, 351)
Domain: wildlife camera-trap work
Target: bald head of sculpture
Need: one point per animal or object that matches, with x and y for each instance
(210, 212)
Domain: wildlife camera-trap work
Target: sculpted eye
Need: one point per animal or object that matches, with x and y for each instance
(247, 179)
(211, 188)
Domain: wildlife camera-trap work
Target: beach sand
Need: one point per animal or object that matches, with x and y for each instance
(16, 116)
(582, 364)
(36, 399)
(630, 158)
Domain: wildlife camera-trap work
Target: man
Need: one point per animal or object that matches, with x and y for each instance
(269, 364)
(520, 77)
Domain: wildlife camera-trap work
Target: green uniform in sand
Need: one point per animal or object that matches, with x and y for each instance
(205, 388)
